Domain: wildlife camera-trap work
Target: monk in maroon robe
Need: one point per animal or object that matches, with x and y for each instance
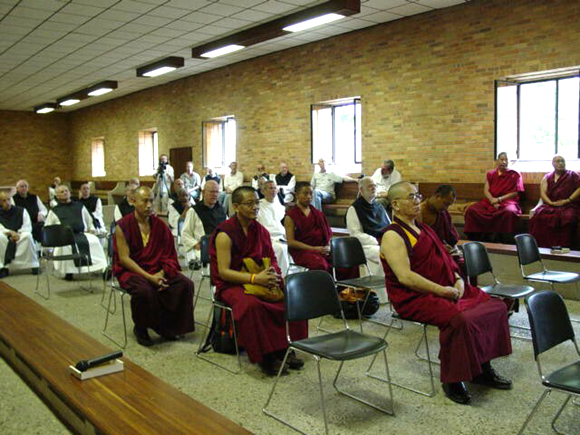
(145, 263)
(499, 212)
(553, 223)
(261, 327)
(425, 285)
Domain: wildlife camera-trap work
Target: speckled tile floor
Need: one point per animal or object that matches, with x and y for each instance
(241, 397)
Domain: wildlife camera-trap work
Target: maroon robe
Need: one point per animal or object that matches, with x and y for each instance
(483, 217)
(169, 311)
(261, 325)
(554, 226)
(473, 330)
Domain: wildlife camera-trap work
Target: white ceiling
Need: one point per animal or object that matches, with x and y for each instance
(52, 48)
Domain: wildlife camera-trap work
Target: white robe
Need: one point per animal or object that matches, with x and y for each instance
(26, 256)
(191, 235)
(98, 257)
(270, 216)
(371, 249)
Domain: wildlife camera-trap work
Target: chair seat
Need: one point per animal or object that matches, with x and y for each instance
(370, 282)
(554, 276)
(566, 378)
(508, 290)
(341, 346)
(66, 257)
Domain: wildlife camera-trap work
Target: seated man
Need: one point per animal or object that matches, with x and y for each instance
(553, 223)
(260, 177)
(211, 175)
(145, 263)
(125, 207)
(94, 206)
(201, 220)
(52, 192)
(425, 285)
(499, 212)
(384, 177)
(270, 216)
(76, 216)
(178, 210)
(286, 182)
(308, 232)
(323, 186)
(261, 328)
(230, 182)
(177, 185)
(17, 247)
(33, 205)
(192, 181)
(434, 213)
(366, 220)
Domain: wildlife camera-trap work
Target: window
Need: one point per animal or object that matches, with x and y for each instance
(98, 156)
(538, 118)
(219, 142)
(148, 152)
(336, 133)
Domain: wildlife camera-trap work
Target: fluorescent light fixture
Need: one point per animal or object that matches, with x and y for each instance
(162, 66)
(313, 22)
(102, 88)
(45, 108)
(221, 51)
(69, 102)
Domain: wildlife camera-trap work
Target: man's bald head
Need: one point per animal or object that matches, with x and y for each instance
(559, 163)
(143, 202)
(22, 187)
(5, 200)
(400, 190)
(210, 193)
(142, 192)
(62, 193)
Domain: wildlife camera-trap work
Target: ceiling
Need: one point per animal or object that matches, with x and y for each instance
(52, 48)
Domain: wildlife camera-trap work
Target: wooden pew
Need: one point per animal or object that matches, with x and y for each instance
(346, 193)
(40, 346)
(545, 253)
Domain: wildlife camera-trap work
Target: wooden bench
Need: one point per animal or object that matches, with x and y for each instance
(40, 346)
(346, 193)
(545, 253)
(102, 188)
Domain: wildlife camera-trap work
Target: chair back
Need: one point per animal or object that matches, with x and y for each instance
(527, 247)
(54, 236)
(476, 259)
(346, 252)
(204, 247)
(310, 295)
(110, 237)
(549, 320)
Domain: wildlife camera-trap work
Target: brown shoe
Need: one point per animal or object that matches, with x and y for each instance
(294, 363)
(271, 366)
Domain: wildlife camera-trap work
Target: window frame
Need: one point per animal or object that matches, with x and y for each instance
(223, 122)
(144, 135)
(95, 142)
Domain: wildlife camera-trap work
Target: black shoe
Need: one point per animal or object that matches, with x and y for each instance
(492, 379)
(194, 265)
(142, 336)
(4, 272)
(35, 271)
(68, 277)
(169, 337)
(457, 391)
(294, 363)
(270, 366)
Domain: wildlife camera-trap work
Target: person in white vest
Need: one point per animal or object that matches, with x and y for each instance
(270, 216)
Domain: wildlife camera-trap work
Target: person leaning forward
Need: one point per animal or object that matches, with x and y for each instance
(425, 285)
(260, 324)
(145, 263)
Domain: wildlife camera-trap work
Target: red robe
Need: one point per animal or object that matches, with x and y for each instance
(554, 226)
(483, 217)
(473, 330)
(261, 326)
(169, 312)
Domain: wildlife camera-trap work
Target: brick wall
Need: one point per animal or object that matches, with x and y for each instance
(426, 84)
(34, 147)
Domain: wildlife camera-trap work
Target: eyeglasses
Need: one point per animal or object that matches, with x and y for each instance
(251, 203)
(411, 197)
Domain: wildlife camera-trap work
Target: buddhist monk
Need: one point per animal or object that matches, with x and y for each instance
(145, 263)
(261, 328)
(499, 212)
(553, 223)
(425, 285)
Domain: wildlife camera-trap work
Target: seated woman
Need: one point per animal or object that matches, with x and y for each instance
(308, 234)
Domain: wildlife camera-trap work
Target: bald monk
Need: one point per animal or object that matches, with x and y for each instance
(261, 326)
(434, 212)
(33, 205)
(499, 212)
(425, 285)
(553, 223)
(145, 263)
(17, 247)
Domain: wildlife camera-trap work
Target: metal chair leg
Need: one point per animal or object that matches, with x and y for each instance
(536, 406)
(558, 415)
(47, 273)
(113, 297)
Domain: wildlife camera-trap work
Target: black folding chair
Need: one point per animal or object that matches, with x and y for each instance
(347, 252)
(205, 273)
(551, 326)
(310, 295)
(114, 288)
(59, 236)
(477, 263)
(528, 253)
